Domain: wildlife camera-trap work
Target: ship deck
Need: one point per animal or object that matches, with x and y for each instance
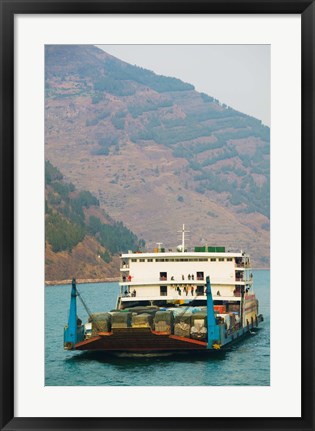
(139, 339)
(147, 340)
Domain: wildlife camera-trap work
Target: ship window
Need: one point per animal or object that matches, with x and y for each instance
(229, 259)
(221, 259)
(213, 259)
(203, 259)
(200, 276)
(200, 290)
(163, 275)
(150, 260)
(159, 260)
(163, 290)
(133, 260)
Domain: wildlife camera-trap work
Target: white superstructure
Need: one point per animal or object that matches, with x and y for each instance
(170, 276)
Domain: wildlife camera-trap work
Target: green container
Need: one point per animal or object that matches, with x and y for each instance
(200, 249)
(210, 249)
(220, 249)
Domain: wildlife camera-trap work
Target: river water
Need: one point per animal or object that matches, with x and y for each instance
(246, 364)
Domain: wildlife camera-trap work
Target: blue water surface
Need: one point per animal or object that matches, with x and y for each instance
(246, 364)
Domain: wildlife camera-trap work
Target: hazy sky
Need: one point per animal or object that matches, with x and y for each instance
(237, 75)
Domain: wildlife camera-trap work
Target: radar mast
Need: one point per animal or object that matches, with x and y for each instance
(183, 231)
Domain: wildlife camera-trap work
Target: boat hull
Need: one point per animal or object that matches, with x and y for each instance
(146, 340)
(139, 340)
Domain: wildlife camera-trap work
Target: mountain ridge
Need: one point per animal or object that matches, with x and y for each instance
(158, 157)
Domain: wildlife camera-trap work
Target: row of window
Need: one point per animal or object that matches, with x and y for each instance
(212, 259)
(199, 276)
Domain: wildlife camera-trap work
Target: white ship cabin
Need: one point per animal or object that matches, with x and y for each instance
(165, 278)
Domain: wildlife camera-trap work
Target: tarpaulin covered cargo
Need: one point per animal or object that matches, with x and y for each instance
(163, 327)
(199, 325)
(182, 329)
(182, 324)
(200, 316)
(143, 320)
(198, 332)
(166, 316)
(141, 309)
(164, 321)
(101, 322)
(121, 319)
(183, 317)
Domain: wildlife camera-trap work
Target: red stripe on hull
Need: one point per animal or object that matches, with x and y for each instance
(85, 342)
(188, 340)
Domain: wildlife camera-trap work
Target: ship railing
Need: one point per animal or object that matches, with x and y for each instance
(180, 280)
(176, 295)
(183, 299)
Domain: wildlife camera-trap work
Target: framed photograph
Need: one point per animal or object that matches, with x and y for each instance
(157, 215)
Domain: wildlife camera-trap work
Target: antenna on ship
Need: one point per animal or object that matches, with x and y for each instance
(183, 231)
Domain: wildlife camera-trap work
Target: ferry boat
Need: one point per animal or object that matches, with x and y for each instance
(199, 300)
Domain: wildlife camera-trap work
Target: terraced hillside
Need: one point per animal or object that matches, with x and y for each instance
(156, 153)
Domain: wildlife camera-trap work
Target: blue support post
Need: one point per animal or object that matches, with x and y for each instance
(213, 329)
(70, 331)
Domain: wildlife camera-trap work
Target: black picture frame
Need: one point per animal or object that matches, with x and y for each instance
(9, 8)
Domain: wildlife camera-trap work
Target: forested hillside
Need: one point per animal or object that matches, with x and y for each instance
(75, 222)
